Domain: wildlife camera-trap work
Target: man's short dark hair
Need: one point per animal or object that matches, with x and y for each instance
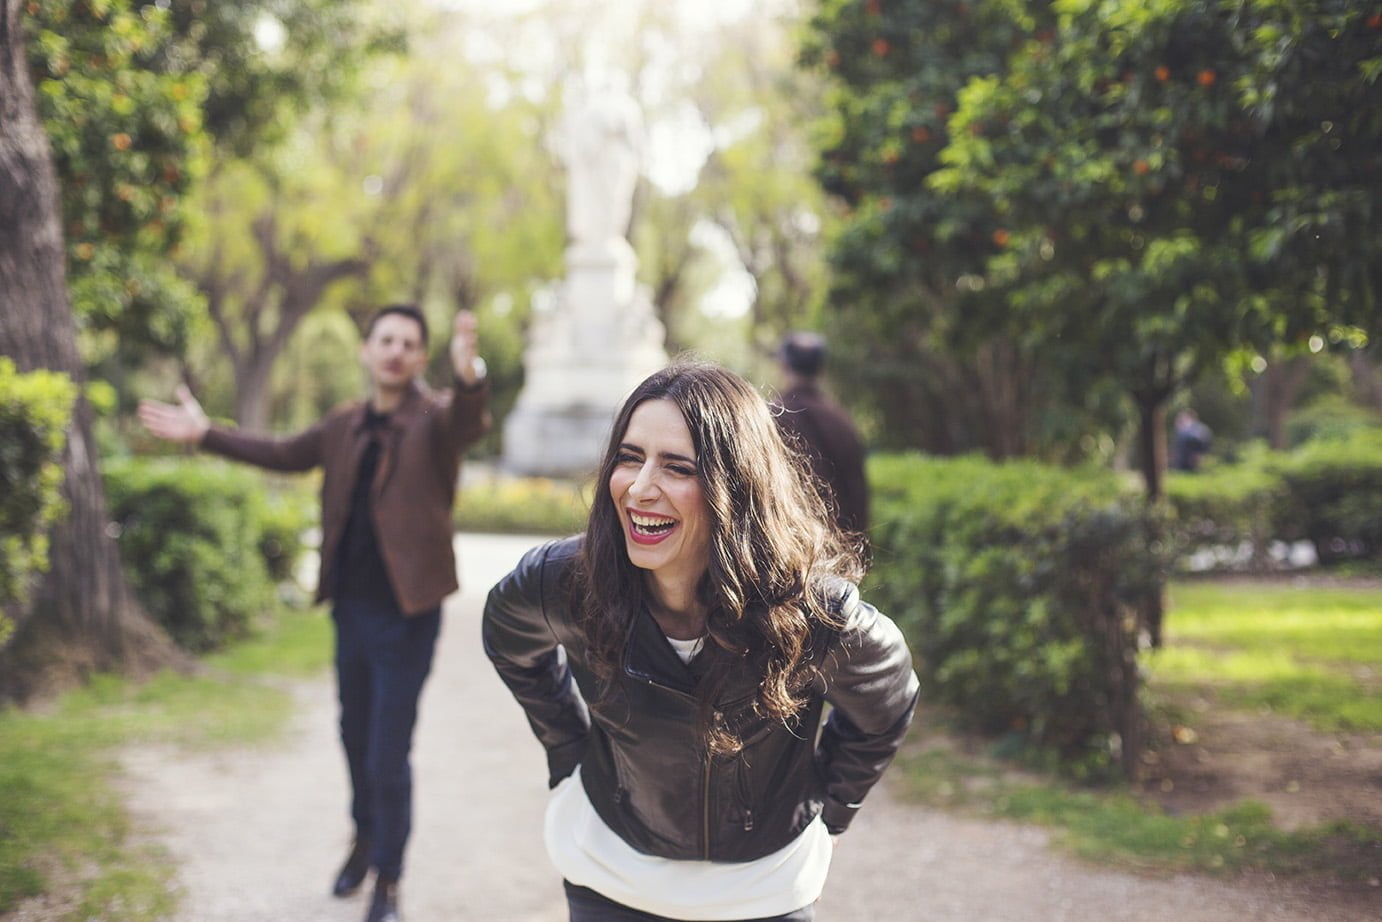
(803, 353)
(410, 311)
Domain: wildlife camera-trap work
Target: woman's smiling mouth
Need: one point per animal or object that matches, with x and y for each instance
(646, 528)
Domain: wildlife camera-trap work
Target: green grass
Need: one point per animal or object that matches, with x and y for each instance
(1114, 827)
(62, 824)
(1329, 624)
(1307, 652)
(1310, 653)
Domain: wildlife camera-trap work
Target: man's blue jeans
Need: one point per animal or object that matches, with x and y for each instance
(382, 660)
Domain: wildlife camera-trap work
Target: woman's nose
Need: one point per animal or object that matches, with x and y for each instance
(645, 484)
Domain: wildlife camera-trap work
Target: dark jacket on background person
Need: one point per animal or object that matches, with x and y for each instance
(643, 759)
(824, 431)
(420, 446)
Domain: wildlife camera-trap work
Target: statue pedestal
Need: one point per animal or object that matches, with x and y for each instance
(587, 350)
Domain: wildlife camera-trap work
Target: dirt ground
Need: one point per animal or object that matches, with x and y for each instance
(1222, 756)
(256, 833)
(1304, 776)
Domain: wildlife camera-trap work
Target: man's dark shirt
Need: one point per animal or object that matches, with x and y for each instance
(362, 573)
(826, 433)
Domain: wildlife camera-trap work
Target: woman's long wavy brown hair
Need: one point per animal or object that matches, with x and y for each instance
(772, 545)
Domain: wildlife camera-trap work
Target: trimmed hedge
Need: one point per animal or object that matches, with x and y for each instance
(1018, 586)
(1221, 510)
(201, 544)
(1334, 490)
(35, 409)
(1328, 491)
(522, 505)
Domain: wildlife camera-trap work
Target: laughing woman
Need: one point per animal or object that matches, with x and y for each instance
(675, 661)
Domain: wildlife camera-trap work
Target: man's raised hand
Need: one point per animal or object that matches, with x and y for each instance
(464, 358)
(181, 422)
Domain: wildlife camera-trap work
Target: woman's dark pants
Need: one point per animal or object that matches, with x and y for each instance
(382, 660)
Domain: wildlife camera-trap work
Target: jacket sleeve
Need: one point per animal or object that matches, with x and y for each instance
(467, 416)
(523, 648)
(299, 452)
(870, 683)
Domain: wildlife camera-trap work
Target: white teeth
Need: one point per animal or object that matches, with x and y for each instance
(650, 521)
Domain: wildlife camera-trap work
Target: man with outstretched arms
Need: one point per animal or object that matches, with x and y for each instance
(390, 465)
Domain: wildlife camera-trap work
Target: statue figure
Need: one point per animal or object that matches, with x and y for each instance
(603, 146)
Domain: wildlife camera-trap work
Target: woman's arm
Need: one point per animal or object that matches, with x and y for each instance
(872, 687)
(520, 643)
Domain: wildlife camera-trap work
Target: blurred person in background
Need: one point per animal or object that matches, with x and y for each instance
(822, 429)
(1191, 441)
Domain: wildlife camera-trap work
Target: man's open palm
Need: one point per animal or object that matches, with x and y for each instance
(181, 422)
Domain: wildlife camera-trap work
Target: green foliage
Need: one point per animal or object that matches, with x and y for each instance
(1018, 586)
(908, 264)
(419, 190)
(137, 96)
(1328, 491)
(1335, 490)
(283, 518)
(1224, 506)
(1125, 192)
(34, 412)
(532, 505)
(193, 537)
(128, 144)
(1332, 417)
(1168, 173)
(268, 62)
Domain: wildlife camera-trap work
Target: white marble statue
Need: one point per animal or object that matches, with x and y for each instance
(595, 334)
(603, 148)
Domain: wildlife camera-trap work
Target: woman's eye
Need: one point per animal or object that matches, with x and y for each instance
(682, 470)
(625, 457)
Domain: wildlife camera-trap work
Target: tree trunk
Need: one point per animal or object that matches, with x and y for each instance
(81, 618)
(1151, 444)
(1279, 386)
(1151, 461)
(252, 396)
(1367, 382)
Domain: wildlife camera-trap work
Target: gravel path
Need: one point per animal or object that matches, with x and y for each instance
(257, 832)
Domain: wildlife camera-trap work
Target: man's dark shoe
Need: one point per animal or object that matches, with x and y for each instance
(384, 906)
(354, 870)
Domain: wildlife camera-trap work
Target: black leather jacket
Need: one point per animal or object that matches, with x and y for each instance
(643, 762)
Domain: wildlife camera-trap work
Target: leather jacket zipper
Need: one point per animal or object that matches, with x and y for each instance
(705, 800)
(709, 765)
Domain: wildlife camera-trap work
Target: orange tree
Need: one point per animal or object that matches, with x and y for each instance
(126, 137)
(1177, 179)
(103, 107)
(1109, 197)
(137, 98)
(919, 343)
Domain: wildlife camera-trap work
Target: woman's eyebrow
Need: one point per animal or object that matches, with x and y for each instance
(664, 455)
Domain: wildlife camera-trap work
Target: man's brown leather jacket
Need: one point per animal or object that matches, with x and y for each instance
(414, 484)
